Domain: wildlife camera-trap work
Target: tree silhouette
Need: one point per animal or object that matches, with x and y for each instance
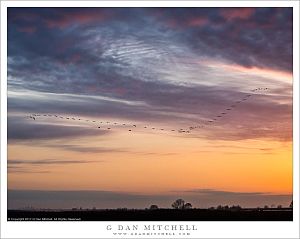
(235, 208)
(291, 204)
(153, 207)
(219, 207)
(188, 205)
(178, 204)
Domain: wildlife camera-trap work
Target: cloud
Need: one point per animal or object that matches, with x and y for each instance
(26, 166)
(241, 13)
(260, 37)
(152, 74)
(213, 192)
(28, 30)
(19, 169)
(60, 18)
(47, 162)
(27, 171)
(186, 106)
(80, 149)
(21, 129)
(70, 199)
(214, 197)
(71, 16)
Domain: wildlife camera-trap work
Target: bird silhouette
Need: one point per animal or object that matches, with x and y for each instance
(208, 123)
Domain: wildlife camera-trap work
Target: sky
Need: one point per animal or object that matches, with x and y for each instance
(128, 107)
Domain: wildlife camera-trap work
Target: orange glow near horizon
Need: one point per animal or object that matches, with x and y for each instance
(177, 164)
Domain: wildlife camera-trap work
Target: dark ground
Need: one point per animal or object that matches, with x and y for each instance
(284, 214)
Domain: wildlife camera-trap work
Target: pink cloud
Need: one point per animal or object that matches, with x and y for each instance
(28, 30)
(189, 22)
(76, 18)
(241, 13)
(197, 21)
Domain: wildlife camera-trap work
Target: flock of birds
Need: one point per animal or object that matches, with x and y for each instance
(108, 125)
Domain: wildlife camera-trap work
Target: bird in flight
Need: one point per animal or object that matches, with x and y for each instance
(206, 123)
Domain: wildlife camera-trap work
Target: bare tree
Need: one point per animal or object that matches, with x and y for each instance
(178, 204)
(291, 204)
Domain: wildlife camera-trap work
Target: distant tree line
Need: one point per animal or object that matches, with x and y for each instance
(180, 204)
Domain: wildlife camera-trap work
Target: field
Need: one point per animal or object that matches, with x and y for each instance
(283, 214)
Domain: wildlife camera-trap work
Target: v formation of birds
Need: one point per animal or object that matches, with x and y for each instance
(108, 125)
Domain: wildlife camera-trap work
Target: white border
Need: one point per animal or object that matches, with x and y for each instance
(98, 229)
